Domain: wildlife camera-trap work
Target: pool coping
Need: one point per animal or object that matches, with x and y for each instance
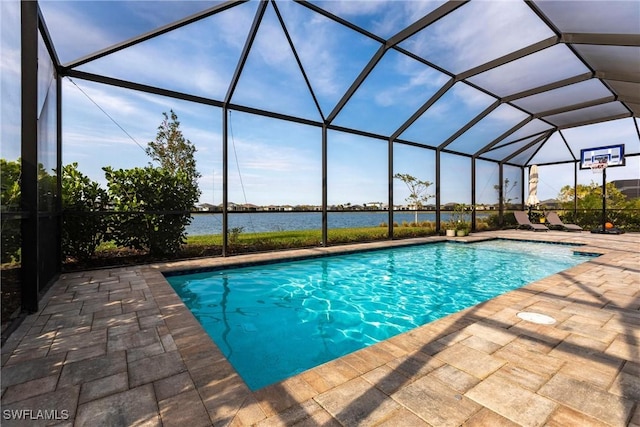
(246, 260)
(389, 381)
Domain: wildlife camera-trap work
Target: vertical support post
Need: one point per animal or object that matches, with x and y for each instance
(225, 180)
(390, 192)
(575, 189)
(29, 155)
(473, 193)
(438, 199)
(604, 200)
(523, 188)
(501, 194)
(325, 214)
(58, 206)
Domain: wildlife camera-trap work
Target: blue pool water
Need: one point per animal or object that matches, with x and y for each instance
(274, 321)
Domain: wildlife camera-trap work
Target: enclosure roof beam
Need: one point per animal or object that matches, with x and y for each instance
(48, 41)
(356, 84)
(417, 26)
(298, 61)
(512, 56)
(526, 147)
(141, 87)
(153, 33)
(425, 21)
(262, 7)
(566, 109)
(594, 121)
(339, 20)
(601, 39)
(618, 76)
(567, 144)
(540, 147)
(432, 100)
(551, 86)
(515, 141)
(470, 124)
(503, 136)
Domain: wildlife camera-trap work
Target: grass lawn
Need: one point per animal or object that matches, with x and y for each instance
(300, 238)
(110, 255)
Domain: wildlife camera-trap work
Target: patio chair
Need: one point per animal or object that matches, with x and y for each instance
(523, 222)
(555, 222)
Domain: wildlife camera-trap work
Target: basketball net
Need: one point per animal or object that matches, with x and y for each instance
(598, 167)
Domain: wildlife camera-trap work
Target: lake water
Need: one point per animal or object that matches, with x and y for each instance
(255, 222)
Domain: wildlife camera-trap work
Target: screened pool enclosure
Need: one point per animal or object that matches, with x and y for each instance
(316, 103)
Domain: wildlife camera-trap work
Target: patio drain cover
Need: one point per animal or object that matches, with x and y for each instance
(541, 319)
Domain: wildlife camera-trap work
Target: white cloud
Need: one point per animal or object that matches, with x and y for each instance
(478, 32)
(272, 47)
(76, 91)
(73, 31)
(354, 8)
(256, 155)
(318, 53)
(168, 63)
(154, 14)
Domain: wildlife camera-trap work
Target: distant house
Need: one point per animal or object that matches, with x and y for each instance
(373, 206)
(628, 187)
(248, 207)
(207, 207)
(551, 204)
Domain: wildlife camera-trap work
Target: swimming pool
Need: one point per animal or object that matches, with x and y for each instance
(276, 320)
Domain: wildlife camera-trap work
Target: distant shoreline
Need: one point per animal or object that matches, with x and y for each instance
(211, 222)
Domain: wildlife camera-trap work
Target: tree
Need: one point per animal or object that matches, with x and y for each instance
(506, 190)
(171, 188)
(172, 151)
(417, 191)
(620, 210)
(590, 196)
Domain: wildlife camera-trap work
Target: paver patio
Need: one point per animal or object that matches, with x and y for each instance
(118, 347)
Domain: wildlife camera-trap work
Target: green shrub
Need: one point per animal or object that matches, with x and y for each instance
(137, 191)
(508, 221)
(234, 234)
(10, 198)
(83, 230)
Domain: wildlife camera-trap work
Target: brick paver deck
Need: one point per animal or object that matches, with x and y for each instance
(117, 347)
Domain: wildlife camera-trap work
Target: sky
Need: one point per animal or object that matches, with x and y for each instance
(278, 162)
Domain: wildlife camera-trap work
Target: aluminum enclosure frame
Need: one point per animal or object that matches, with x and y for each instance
(33, 24)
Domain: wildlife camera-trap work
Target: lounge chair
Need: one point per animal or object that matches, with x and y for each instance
(523, 222)
(555, 222)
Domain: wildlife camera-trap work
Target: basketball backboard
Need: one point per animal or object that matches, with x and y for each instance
(612, 155)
